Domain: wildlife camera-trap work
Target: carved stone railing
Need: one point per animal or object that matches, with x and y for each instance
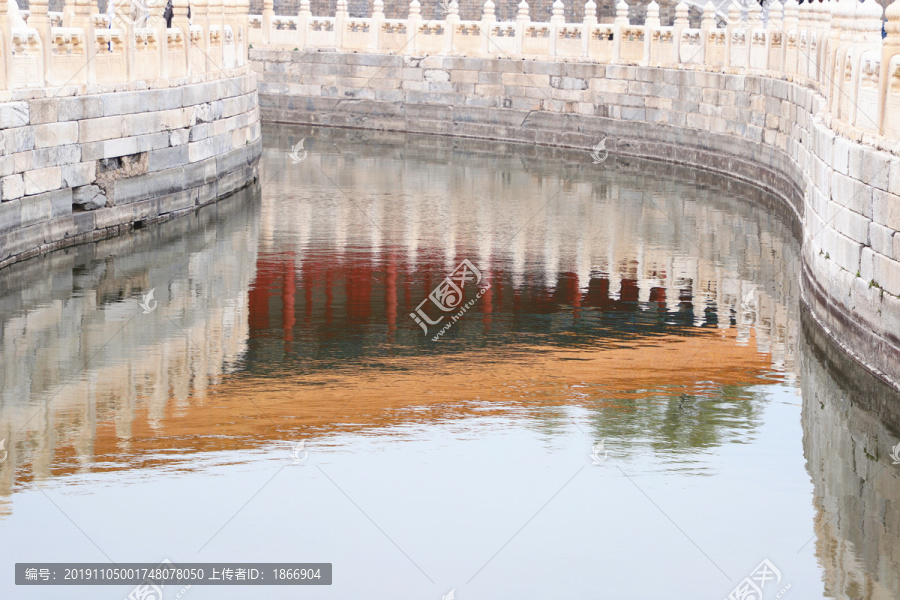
(834, 46)
(78, 46)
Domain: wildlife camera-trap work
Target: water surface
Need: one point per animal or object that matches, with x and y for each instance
(647, 307)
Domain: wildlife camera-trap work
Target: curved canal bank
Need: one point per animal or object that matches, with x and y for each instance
(771, 132)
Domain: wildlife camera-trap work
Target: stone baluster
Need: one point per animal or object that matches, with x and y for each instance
(824, 30)
(868, 38)
(80, 18)
(412, 26)
(734, 22)
(40, 21)
(215, 28)
(522, 20)
(5, 48)
(341, 16)
(651, 24)
(488, 18)
(68, 13)
(590, 19)
(200, 18)
(452, 20)
(759, 58)
(833, 43)
(268, 14)
(815, 26)
(754, 16)
(620, 23)
(180, 22)
(304, 16)
(775, 29)
(708, 21)
(889, 50)
(791, 36)
(707, 27)
(681, 23)
(243, 19)
(156, 22)
(846, 17)
(557, 20)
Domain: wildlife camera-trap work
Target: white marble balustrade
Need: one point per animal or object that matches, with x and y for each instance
(79, 46)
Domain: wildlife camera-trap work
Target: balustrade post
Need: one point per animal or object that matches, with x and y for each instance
(803, 28)
(590, 19)
(557, 20)
(792, 36)
(412, 26)
(734, 21)
(158, 24)
(451, 21)
(181, 23)
(707, 25)
(341, 15)
(243, 17)
(652, 24)
(822, 33)
(867, 39)
(40, 21)
(77, 14)
(268, 14)
(216, 33)
(5, 48)
(776, 32)
(755, 25)
(834, 46)
(488, 18)
(681, 23)
(200, 18)
(889, 50)
(304, 16)
(522, 20)
(620, 23)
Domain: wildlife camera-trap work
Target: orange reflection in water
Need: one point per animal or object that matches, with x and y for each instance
(246, 412)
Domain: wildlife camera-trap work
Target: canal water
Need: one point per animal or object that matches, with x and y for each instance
(443, 365)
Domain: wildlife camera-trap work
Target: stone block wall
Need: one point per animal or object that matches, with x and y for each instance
(78, 166)
(772, 132)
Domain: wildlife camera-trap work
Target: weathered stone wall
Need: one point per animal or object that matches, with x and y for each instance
(772, 132)
(77, 167)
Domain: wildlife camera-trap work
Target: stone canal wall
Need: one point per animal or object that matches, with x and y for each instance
(78, 166)
(757, 127)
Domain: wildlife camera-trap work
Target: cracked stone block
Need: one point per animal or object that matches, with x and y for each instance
(88, 197)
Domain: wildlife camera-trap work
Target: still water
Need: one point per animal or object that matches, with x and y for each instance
(633, 405)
